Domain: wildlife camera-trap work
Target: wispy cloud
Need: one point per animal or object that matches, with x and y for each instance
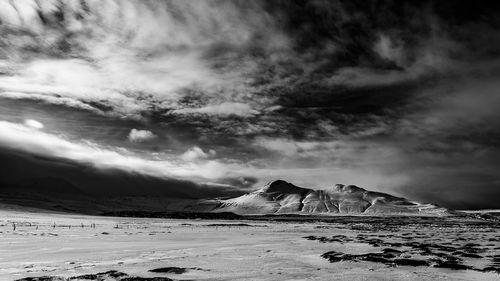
(31, 140)
(129, 57)
(223, 109)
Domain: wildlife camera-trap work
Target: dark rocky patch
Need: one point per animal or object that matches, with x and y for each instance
(335, 238)
(416, 247)
(388, 256)
(111, 275)
(472, 248)
(466, 255)
(411, 262)
(42, 278)
(496, 259)
(334, 256)
(391, 257)
(495, 264)
(393, 251)
(375, 242)
(491, 269)
(98, 276)
(451, 264)
(172, 269)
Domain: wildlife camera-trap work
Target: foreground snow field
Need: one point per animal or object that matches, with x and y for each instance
(34, 244)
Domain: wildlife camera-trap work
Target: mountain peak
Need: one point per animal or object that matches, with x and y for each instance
(278, 182)
(284, 187)
(348, 188)
(281, 186)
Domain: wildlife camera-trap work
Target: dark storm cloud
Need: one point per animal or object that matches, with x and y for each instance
(41, 175)
(377, 93)
(234, 58)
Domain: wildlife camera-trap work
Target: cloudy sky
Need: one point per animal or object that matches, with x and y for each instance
(216, 98)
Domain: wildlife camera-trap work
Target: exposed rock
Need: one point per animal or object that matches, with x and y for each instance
(281, 197)
(172, 269)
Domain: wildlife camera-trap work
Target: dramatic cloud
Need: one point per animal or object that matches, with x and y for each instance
(140, 135)
(30, 140)
(396, 96)
(125, 58)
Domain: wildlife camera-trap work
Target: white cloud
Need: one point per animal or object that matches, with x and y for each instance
(131, 54)
(27, 139)
(33, 124)
(196, 153)
(140, 136)
(118, 82)
(223, 109)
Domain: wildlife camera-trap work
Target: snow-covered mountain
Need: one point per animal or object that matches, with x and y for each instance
(281, 197)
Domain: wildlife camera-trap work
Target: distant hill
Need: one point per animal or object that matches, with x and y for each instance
(276, 198)
(281, 197)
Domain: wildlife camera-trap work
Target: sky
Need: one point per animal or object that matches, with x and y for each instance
(215, 98)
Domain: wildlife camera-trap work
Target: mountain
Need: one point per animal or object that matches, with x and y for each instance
(278, 197)
(281, 197)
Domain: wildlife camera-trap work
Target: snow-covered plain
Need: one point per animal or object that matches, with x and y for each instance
(56, 244)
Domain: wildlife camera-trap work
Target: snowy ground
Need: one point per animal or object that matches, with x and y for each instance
(50, 244)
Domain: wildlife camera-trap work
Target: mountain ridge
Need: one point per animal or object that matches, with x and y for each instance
(281, 197)
(275, 198)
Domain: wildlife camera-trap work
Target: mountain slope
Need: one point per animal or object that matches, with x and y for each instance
(281, 197)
